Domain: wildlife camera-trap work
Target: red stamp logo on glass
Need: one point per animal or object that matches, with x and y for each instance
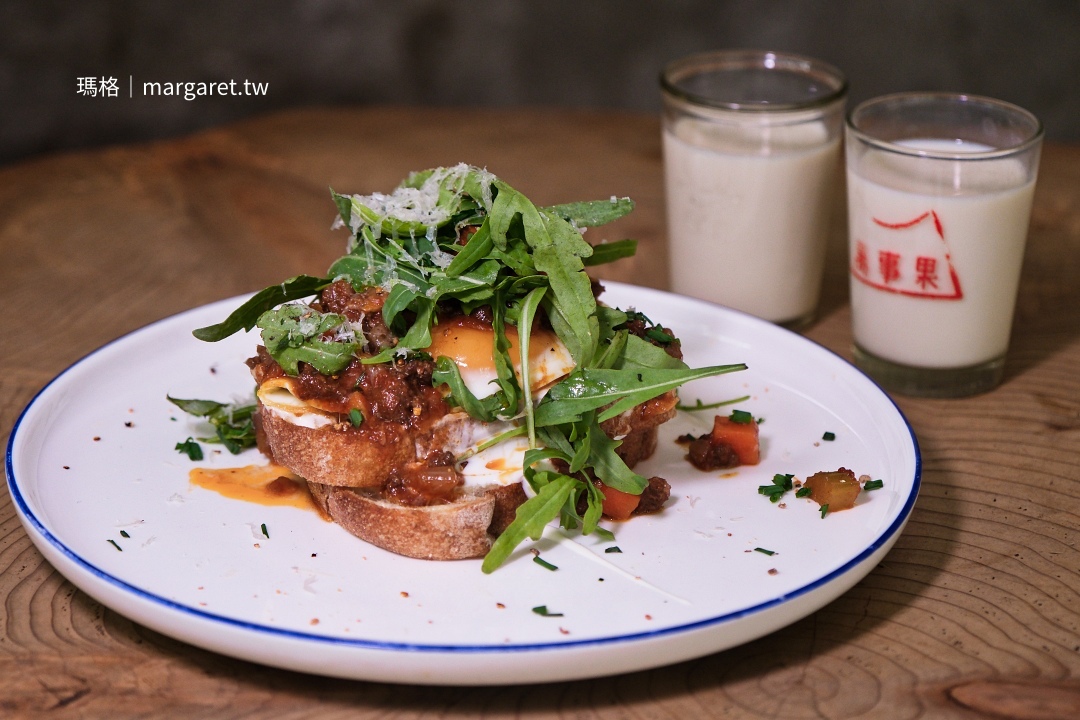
(907, 258)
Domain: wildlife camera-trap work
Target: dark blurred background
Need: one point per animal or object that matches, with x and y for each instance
(580, 53)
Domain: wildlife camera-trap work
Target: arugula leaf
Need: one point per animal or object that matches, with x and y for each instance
(531, 518)
(245, 316)
(418, 336)
(291, 334)
(528, 312)
(608, 466)
(591, 213)
(611, 251)
(447, 373)
(232, 423)
(590, 389)
(478, 246)
(643, 354)
(190, 448)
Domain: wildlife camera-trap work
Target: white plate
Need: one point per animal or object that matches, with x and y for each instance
(93, 455)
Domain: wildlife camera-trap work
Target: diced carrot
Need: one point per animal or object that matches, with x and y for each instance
(618, 505)
(742, 437)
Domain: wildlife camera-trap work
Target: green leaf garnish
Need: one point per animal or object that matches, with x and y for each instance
(245, 316)
(294, 333)
(231, 422)
(190, 448)
(592, 213)
(530, 520)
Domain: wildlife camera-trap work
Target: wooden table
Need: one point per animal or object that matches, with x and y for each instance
(974, 613)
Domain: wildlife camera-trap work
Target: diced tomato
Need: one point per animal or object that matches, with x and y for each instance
(742, 437)
(618, 505)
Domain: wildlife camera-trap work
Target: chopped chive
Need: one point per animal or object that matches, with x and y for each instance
(115, 545)
(830, 436)
(356, 417)
(824, 510)
(544, 563)
(770, 490)
(763, 550)
(874, 485)
(783, 481)
(264, 530)
(124, 533)
(803, 492)
(613, 549)
(741, 416)
(542, 610)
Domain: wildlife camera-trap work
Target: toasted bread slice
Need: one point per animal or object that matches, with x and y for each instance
(346, 469)
(335, 454)
(462, 529)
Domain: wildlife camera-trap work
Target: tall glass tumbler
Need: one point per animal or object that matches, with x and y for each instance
(940, 189)
(752, 148)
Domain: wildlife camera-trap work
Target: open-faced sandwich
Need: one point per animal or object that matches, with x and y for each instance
(452, 385)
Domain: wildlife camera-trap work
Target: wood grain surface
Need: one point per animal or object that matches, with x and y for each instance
(974, 614)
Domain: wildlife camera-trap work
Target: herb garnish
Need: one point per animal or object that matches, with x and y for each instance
(544, 563)
(115, 545)
(741, 416)
(264, 531)
(780, 485)
(873, 485)
(190, 448)
(356, 417)
(231, 422)
(521, 261)
(764, 551)
(824, 510)
(542, 610)
(613, 549)
(803, 492)
(124, 534)
(829, 436)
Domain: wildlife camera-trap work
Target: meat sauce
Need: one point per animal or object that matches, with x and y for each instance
(398, 397)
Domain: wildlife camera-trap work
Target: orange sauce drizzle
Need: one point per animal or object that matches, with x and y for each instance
(260, 484)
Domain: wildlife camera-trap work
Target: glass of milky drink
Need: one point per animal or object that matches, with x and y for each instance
(939, 199)
(751, 168)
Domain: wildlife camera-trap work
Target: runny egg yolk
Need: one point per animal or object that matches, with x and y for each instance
(470, 345)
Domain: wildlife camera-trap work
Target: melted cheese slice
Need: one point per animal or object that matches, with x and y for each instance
(277, 396)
